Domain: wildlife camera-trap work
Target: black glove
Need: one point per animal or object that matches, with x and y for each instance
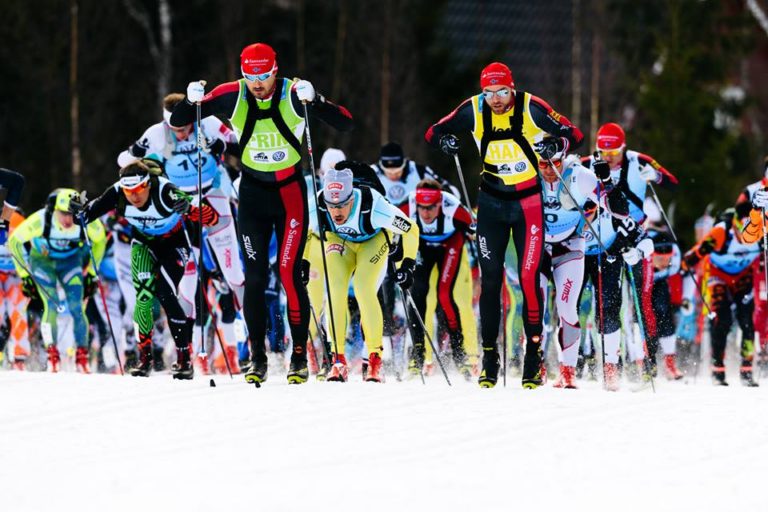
(304, 272)
(449, 144)
(217, 147)
(28, 287)
(550, 146)
(396, 248)
(180, 203)
(76, 203)
(404, 275)
(90, 285)
(601, 168)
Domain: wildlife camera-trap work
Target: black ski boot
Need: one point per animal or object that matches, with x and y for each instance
(532, 375)
(256, 373)
(718, 376)
(297, 371)
(490, 373)
(182, 369)
(746, 375)
(157, 359)
(130, 360)
(143, 366)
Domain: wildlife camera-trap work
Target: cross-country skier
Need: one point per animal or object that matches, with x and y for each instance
(161, 261)
(509, 127)
(444, 226)
(666, 260)
(267, 114)
(360, 226)
(162, 141)
(564, 244)
(731, 255)
(51, 244)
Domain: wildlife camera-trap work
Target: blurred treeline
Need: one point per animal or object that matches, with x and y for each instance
(82, 79)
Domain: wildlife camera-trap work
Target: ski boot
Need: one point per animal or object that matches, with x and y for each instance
(54, 359)
(611, 377)
(158, 364)
(131, 360)
(490, 372)
(566, 379)
(375, 371)
(745, 373)
(651, 369)
(81, 360)
(718, 376)
(19, 358)
(533, 376)
(182, 369)
(143, 366)
(256, 372)
(591, 363)
(670, 365)
(339, 371)
(297, 371)
(202, 362)
(324, 370)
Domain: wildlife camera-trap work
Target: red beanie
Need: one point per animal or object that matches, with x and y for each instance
(610, 136)
(496, 73)
(258, 58)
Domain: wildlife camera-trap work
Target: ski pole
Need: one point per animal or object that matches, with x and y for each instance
(710, 312)
(765, 269)
(200, 298)
(203, 300)
(639, 319)
(410, 328)
(84, 227)
(320, 227)
(407, 297)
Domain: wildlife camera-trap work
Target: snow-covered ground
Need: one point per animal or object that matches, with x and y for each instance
(97, 442)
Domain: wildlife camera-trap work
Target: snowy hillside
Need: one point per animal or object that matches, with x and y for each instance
(74, 442)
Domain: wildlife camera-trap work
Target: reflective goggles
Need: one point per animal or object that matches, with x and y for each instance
(501, 93)
(544, 164)
(611, 152)
(260, 77)
(134, 183)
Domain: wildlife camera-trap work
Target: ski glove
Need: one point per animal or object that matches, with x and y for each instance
(180, 204)
(404, 275)
(304, 272)
(760, 199)
(549, 147)
(90, 285)
(601, 168)
(3, 232)
(195, 91)
(449, 144)
(632, 256)
(649, 174)
(305, 91)
(28, 287)
(77, 203)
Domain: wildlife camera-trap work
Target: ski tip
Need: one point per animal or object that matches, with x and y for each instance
(212, 383)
